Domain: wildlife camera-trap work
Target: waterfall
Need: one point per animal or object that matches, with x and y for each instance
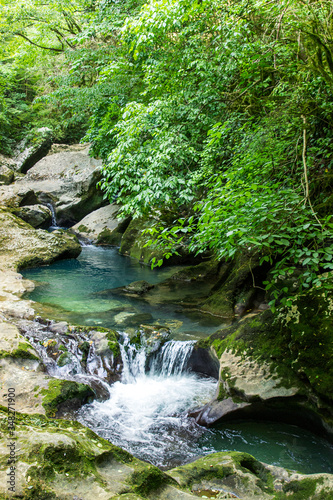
(171, 359)
(54, 224)
(146, 412)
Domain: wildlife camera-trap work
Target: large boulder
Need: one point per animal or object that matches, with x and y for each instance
(239, 475)
(22, 246)
(32, 149)
(66, 180)
(102, 226)
(65, 460)
(35, 215)
(277, 367)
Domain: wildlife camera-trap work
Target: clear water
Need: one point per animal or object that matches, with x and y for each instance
(69, 290)
(147, 412)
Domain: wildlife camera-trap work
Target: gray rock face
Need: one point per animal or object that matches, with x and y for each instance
(6, 175)
(29, 152)
(66, 180)
(35, 215)
(102, 226)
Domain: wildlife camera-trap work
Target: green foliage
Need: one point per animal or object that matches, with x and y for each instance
(230, 143)
(215, 118)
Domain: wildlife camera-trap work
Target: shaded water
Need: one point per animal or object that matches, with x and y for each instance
(70, 290)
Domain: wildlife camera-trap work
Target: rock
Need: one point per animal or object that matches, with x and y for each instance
(13, 344)
(204, 361)
(38, 216)
(63, 459)
(65, 148)
(234, 294)
(23, 246)
(134, 240)
(151, 337)
(61, 327)
(62, 396)
(138, 287)
(277, 369)
(102, 226)
(6, 175)
(31, 151)
(66, 180)
(21, 369)
(239, 475)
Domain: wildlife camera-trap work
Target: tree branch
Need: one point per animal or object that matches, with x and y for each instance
(37, 45)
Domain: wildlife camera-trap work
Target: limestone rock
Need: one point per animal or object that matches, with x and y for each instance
(21, 245)
(239, 475)
(102, 226)
(65, 180)
(268, 370)
(6, 175)
(63, 459)
(38, 216)
(32, 150)
(64, 148)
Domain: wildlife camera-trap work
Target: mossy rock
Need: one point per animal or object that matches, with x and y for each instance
(24, 350)
(234, 294)
(64, 391)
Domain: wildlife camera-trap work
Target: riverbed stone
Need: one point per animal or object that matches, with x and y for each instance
(38, 216)
(23, 246)
(239, 475)
(102, 226)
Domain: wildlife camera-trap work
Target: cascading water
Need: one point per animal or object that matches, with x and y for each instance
(70, 357)
(54, 224)
(146, 412)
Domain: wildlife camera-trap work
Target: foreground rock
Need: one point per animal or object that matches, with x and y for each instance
(102, 226)
(61, 459)
(6, 175)
(239, 475)
(65, 180)
(35, 391)
(277, 368)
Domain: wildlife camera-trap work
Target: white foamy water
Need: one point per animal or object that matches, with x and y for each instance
(146, 412)
(148, 416)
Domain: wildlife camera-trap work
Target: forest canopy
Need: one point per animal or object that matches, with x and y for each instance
(215, 118)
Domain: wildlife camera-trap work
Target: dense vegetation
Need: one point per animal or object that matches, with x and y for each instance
(215, 117)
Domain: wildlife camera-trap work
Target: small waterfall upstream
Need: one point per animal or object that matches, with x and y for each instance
(54, 223)
(147, 410)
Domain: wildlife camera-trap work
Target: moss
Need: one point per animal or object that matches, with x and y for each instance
(148, 479)
(83, 229)
(22, 351)
(305, 488)
(64, 359)
(84, 348)
(108, 237)
(60, 391)
(113, 343)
